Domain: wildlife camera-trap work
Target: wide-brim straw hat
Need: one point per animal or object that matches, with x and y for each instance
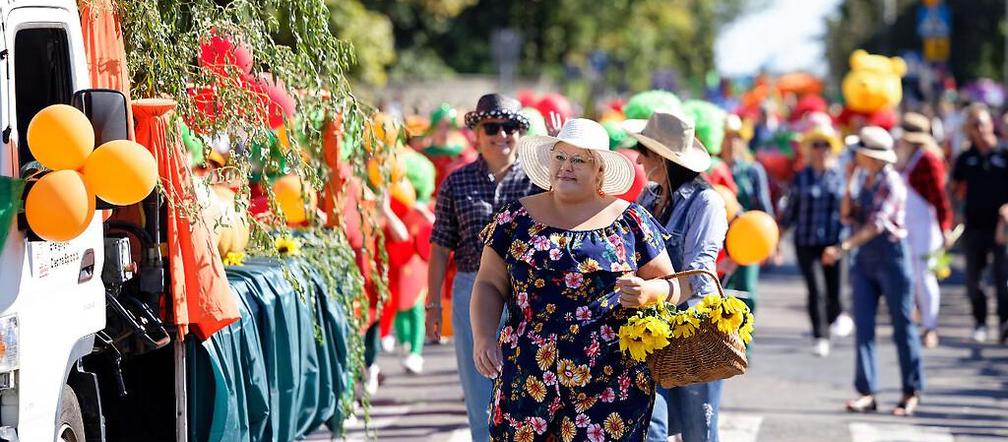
(875, 142)
(534, 154)
(673, 136)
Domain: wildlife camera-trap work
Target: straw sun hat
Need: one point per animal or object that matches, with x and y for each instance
(875, 142)
(534, 151)
(673, 136)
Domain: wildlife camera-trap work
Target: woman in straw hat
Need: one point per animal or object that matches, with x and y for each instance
(881, 268)
(571, 265)
(929, 214)
(812, 209)
(694, 215)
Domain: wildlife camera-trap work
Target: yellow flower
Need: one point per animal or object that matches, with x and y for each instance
(708, 305)
(571, 375)
(727, 321)
(583, 402)
(614, 425)
(631, 337)
(234, 258)
(658, 332)
(567, 430)
(745, 332)
(287, 245)
(535, 388)
(545, 356)
(684, 325)
(734, 305)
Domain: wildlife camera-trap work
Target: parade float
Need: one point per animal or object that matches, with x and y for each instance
(183, 249)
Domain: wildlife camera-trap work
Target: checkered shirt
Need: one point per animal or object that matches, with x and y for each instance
(467, 201)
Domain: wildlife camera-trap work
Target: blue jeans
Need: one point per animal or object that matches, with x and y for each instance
(476, 388)
(882, 269)
(691, 410)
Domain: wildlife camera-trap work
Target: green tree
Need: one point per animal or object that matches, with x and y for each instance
(977, 40)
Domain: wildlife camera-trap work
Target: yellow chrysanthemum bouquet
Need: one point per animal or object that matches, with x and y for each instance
(684, 346)
(652, 328)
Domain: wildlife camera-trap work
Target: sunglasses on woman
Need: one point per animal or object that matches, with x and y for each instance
(509, 128)
(820, 145)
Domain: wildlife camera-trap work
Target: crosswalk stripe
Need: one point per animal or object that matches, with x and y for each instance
(460, 435)
(865, 432)
(738, 427)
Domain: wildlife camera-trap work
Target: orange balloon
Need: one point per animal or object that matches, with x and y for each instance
(291, 200)
(403, 192)
(121, 172)
(59, 207)
(61, 137)
(752, 237)
(732, 206)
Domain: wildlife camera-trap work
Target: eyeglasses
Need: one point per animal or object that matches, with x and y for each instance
(577, 161)
(493, 128)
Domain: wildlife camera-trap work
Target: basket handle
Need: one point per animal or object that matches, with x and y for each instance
(705, 272)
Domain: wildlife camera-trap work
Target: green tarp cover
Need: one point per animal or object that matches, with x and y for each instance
(281, 370)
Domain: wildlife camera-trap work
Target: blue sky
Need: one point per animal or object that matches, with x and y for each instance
(784, 36)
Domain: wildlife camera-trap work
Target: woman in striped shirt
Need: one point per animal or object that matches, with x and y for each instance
(812, 208)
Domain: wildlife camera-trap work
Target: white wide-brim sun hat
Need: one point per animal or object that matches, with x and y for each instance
(534, 153)
(876, 142)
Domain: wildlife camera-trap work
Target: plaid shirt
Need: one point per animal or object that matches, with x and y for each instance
(927, 178)
(883, 204)
(812, 207)
(466, 202)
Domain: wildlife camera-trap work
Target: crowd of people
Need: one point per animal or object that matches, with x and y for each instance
(541, 245)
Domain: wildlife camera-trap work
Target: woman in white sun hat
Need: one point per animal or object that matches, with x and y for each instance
(571, 265)
(694, 215)
(881, 268)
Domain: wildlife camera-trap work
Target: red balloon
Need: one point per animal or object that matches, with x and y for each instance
(527, 98)
(280, 102)
(220, 52)
(554, 103)
(640, 176)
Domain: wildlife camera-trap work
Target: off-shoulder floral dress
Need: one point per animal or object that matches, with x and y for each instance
(564, 377)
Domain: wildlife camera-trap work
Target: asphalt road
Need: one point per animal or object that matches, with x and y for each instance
(787, 395)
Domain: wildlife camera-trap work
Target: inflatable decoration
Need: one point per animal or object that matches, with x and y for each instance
(60, 137)
(732, 206)
(872, 89)
(752, 238)
(59, 207)
(220, 52)
(710, 123)
(121, 172)
(642, 105)
(537, 124)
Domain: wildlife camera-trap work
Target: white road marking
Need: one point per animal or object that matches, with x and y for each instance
(738, 427)
(865, 432)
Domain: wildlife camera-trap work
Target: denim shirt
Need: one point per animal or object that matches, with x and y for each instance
(702, 225)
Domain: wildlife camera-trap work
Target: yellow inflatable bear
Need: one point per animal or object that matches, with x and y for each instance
(873, 83)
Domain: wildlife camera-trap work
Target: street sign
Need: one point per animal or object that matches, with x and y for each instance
(934, 21)
(936, 49)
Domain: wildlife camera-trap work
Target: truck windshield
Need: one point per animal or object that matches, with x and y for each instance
(42, 74)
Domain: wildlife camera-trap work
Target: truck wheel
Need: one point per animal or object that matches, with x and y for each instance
(69, 422)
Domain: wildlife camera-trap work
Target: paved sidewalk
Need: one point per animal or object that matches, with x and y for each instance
(787, 395)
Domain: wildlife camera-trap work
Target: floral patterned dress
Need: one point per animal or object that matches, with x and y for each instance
(564, 377)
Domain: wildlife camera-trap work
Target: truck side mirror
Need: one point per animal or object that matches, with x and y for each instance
(106, 108)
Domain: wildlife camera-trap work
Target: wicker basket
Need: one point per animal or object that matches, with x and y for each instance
(708, 355)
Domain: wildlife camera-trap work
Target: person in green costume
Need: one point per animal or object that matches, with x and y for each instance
(753, 194)
(410, 324)
(443, 120)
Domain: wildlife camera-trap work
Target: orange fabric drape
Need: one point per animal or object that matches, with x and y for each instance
(104, 49)
(201, 297)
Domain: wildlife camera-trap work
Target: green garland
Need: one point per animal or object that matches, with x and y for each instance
(292, 40)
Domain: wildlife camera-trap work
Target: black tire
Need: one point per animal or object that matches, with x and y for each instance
(69, 421)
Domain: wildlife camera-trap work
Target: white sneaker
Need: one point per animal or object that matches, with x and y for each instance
(821, 347)
(980, 333)
(388, 344)
(413, 363)
(842, 327)
(371, 383)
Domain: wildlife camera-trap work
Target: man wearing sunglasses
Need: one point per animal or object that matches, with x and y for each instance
(466, 202)
(979, 177)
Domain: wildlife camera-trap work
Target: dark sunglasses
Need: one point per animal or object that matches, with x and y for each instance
(509, 128)
(820, 145)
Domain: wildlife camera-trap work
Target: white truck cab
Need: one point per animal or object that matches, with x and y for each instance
(52, 298)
